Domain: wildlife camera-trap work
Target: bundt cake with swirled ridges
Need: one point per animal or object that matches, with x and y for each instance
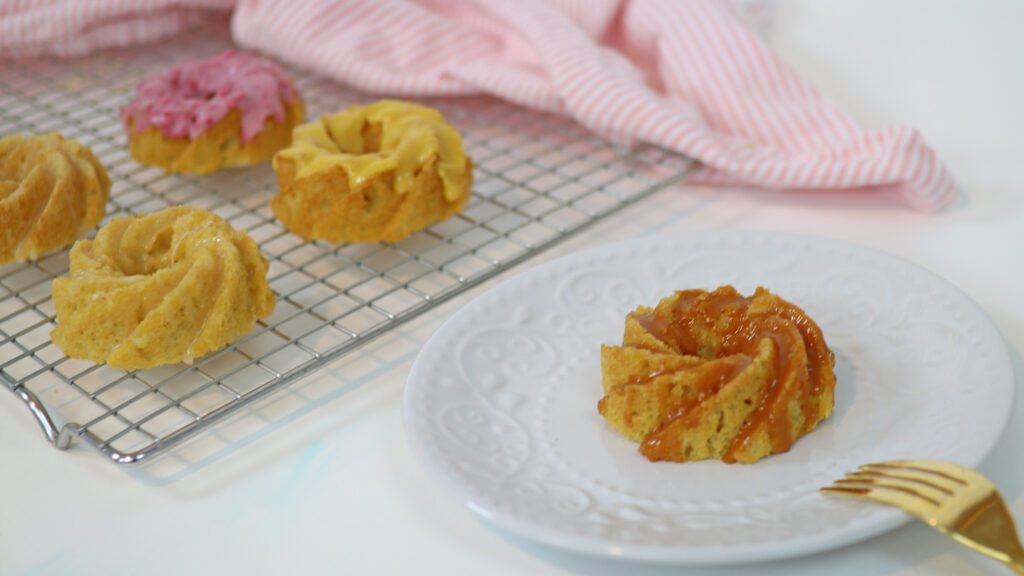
(52, 191)
(159, 289)
(717, 375)
(373, 173)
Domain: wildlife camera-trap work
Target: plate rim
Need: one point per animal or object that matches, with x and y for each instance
(535, 533)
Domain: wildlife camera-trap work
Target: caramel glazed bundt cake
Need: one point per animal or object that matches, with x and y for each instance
(158, 289)
(717, 375)
(374, 173)
(52, 191)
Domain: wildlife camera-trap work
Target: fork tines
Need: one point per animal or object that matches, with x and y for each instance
(903, 482)
(954, 500)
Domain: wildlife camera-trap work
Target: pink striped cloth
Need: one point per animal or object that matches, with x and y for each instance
(688, 76)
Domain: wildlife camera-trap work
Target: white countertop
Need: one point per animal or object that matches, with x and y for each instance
(319, 479)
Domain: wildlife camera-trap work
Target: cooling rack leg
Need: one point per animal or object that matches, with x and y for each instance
(59, 438)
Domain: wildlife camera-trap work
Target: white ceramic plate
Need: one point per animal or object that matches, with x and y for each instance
(501, 402)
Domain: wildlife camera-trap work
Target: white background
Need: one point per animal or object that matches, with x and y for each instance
(320, 479)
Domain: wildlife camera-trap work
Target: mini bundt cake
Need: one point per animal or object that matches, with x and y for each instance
(233, 109)
(717, 375)
(374, 173)
(52, 191)
(159, 289)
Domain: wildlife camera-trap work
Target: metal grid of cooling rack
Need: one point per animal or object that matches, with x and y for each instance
(538, 179)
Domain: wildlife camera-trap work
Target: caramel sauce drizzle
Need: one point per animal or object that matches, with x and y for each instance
(801, 368)
(663, 441)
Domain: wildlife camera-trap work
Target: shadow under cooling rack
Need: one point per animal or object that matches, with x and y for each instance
(538, 180)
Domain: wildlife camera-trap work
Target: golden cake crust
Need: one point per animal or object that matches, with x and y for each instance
(321, 206)
(374, 173)
(221, 146)
(52, 191)
(717, 375)
(161, 288)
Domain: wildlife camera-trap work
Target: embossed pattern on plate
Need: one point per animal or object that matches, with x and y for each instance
(501, 402)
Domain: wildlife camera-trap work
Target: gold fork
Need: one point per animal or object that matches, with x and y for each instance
(954, 500)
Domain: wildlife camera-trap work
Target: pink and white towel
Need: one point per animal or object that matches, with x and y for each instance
(688, 76)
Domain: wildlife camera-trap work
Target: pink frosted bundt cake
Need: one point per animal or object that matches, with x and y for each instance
(233, 109)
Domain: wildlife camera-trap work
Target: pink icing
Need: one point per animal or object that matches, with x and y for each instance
(189, 98)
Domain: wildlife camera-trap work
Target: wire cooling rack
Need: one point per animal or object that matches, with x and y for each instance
(538, 180)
